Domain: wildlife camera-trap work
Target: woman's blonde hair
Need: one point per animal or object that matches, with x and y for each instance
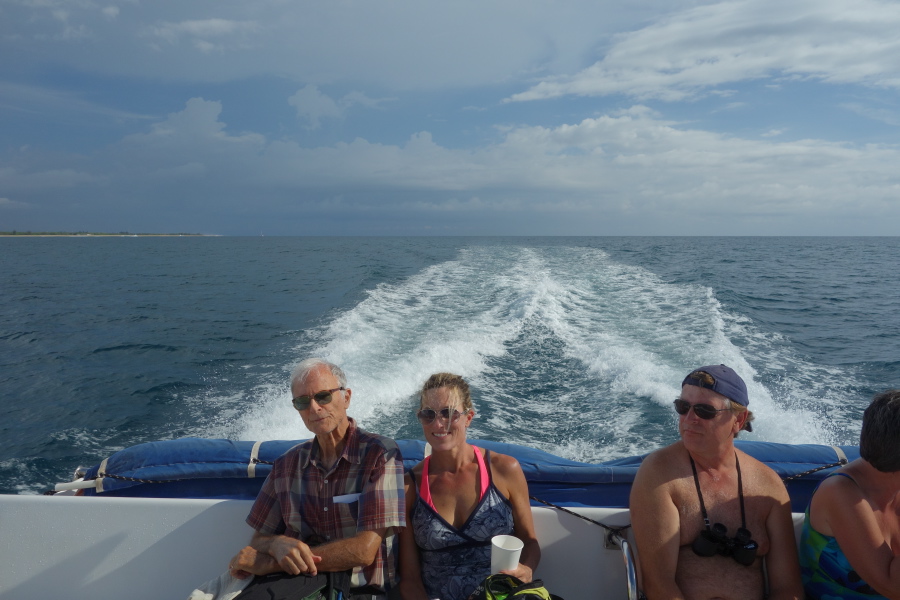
(453, 382)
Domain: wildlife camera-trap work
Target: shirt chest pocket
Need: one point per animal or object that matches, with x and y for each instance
(346, 506)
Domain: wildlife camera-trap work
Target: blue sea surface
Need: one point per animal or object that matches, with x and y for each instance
(573, 345)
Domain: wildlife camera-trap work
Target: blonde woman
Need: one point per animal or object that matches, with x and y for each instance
(457, 499)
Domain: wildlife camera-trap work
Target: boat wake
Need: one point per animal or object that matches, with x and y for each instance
(566, 349)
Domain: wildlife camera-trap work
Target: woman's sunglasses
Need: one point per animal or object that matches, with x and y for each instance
(323, 397)
(704, 411)
(428, 415)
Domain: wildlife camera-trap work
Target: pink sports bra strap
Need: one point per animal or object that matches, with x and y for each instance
(425, 488)
(482, 473)
(483, 477)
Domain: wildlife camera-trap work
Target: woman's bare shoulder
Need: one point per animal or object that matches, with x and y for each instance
(839, 487)
(416, 470)
(504, 463)
(506, 469)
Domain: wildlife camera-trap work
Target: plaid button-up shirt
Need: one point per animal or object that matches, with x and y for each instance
(298, 499)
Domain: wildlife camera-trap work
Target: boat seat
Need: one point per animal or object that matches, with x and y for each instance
(107, 548)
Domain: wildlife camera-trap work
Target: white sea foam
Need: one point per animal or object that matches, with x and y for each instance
(566, 350)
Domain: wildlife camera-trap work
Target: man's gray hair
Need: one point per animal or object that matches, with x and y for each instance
(302, 371)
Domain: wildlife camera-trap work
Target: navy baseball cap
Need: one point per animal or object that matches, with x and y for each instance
(725, 382)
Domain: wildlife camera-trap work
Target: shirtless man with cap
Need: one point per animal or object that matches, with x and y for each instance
(706, 516)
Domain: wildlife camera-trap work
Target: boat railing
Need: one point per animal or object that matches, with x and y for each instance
(617, 539)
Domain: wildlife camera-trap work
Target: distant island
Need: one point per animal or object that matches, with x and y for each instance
(15, 233)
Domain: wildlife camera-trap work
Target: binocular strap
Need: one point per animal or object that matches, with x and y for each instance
(700, 494)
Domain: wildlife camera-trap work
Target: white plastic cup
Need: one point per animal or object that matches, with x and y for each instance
(505, 553)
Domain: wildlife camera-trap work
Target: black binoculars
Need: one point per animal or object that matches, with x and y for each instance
(716, 541)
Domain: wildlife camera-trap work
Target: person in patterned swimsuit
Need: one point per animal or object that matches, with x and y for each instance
(457, 499)
(850, 542)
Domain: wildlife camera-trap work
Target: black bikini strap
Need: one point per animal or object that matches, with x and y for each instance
(700, 494)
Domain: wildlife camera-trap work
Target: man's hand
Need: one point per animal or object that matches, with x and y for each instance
(293, 556)
(249, 562)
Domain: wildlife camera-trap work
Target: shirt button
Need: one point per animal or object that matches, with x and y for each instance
(326, 481)
(326, 509)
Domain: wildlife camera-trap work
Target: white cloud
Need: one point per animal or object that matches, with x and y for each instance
(51, 179)
(890, 116)
(207, 35)
(719, 44)
(442, 142)
(70, 31)
(6, 203)
(598, 164)
(358, 98)
(36, 99)
(408, 44)
(626, 165)
(192, 141)
(205, 28)
(313, 106)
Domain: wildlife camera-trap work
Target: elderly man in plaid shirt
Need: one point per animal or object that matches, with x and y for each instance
(332, 503)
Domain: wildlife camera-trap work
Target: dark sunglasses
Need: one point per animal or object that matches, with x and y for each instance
(428, 415)
(704, 411)
(323, 397)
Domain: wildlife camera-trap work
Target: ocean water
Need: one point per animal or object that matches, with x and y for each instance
(576, 346)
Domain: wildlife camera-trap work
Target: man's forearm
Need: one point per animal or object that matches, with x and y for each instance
(358, 551)
(340, 555)
(250, 561)
(263, 543)
(292, 555)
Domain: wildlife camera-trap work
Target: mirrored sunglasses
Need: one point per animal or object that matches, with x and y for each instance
(323, 397)
(704, 411)
(428, 415)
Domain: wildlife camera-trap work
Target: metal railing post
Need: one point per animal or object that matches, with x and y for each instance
(617, 539)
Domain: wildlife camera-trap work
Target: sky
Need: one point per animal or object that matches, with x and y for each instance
(415, 117)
